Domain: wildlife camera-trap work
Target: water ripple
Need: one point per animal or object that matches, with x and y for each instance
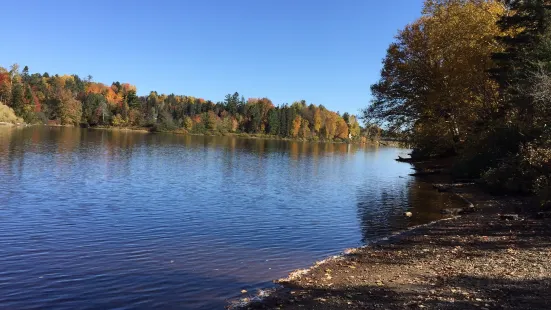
(123, 220)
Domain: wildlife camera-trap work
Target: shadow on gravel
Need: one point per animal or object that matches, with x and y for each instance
(490, 293)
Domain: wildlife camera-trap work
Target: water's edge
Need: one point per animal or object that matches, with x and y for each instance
(388, 143)
(262, 294)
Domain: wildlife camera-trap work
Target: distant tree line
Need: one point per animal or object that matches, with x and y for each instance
(472, 78)
(72, 100)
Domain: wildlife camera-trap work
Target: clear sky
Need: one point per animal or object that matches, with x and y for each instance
(325, 52)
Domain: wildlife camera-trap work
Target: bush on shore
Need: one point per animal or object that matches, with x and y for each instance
(527, 172)
(7, 115)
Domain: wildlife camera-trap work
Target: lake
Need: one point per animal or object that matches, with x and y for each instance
(130, 220)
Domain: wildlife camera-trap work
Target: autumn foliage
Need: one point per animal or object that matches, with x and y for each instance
(71, 100)
(472, 78)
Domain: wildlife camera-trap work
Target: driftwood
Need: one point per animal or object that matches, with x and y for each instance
(431, 167)
(426, 172)
(458, 211)
(405, 160)
(467, 201)
(468, 181)
(447, 187)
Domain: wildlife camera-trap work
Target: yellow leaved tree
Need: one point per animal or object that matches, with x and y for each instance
(435, 83)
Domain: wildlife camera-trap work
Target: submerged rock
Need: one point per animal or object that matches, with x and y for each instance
(451, 211)
(442, 187)
(458, 211)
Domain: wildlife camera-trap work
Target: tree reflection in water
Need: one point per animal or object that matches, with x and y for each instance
(411, 194)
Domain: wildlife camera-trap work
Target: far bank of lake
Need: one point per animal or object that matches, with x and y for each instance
(368, 142)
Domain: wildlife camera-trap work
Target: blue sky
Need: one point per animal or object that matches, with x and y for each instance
(325, 52)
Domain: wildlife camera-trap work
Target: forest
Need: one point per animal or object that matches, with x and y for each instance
(472, 79)
(72, 100)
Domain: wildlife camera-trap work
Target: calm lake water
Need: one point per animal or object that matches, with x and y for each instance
(130, 220)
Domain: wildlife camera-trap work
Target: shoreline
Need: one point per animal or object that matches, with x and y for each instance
(263, 296)
(238, 135)
(479, 260)
(136, 129)
(7, 124)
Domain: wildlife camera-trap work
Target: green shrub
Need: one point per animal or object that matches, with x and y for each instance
(187, 123)
(432, 139)
(527, 172)
(118, 121)
(485, 151)
(165, 122)
(41, 118)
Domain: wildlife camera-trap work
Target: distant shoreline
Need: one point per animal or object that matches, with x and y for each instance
(7, 124)
(239, 135)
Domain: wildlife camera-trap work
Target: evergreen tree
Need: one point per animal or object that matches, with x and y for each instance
(25, 74)
(524, 68)
(231, 102)
(273, 121)
(17, 98)
(283, 121)
(291, 114)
